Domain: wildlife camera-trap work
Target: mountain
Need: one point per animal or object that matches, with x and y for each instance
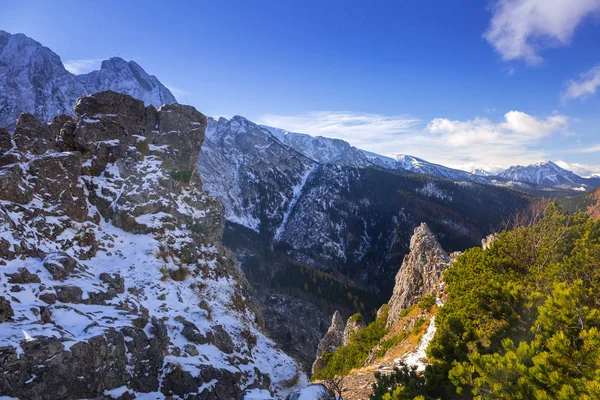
(544, 173)
(34, 80)
(307, 233)
(115, 280)
(121, 76)
(335, 151)
(481, 172)
(321, 149)
(588, 202)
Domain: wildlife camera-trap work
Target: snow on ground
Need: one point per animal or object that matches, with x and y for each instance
(418, 358)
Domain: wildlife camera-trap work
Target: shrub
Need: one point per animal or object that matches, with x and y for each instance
(427, 302)
(181, 176)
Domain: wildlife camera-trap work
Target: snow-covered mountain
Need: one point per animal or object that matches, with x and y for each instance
(121, 76)
(321, 149)
(33, 79)
(544, 173)
(336, 151)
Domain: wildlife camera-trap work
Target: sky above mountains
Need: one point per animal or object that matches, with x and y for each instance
(463, 83)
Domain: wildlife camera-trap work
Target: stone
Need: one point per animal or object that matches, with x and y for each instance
(420, 274)
(191, 350)
(23, 276)
(330, 342)
(60, 265)
(48, 297)
(222, 340)
(69, 294)
(487, 242)
(6, 311)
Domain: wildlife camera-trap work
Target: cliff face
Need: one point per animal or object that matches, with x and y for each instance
(113, 278)
(420, 273)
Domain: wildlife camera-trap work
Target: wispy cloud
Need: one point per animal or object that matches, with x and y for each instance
(178, 92)
(580, 169)
(468, 144)
(586, 85)
(82, 66)
(519, 29)
(590, 149)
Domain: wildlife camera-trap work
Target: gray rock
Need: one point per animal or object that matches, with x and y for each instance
(420, 273)
(23, 276)
(6, 311)
(69, 294)
(60, 265)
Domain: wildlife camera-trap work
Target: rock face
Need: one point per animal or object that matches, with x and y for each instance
(421, 271)
(331, 341)
(34, 80)
(114, 278)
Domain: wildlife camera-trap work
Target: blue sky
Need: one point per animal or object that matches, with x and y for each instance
(464, 83)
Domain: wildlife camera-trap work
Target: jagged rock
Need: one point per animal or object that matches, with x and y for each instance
(60, 265)
(353, 325)
(6, 311)
(115, 282)
(221, 339)
(420, 273)
(331, 341)
(23, 276)
(48, 297)
(5, 141)
(69, 294)
(487, 242)
(33, 136)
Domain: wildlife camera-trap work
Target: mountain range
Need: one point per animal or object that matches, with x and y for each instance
(316, 224)
(34, 80)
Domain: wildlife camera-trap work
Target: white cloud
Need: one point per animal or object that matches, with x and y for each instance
(82, 66)
(519, 29)
(177, 91)
(469, 144)
(590, 149)
(586, 85)
(580, 169)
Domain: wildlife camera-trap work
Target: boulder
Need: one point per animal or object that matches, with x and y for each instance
(60, 265)
(23, 276)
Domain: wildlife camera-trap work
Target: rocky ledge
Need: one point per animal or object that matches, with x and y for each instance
(113, 279)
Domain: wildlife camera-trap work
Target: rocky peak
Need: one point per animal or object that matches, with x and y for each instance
(420, 273)
(128, 77)
(331, 341)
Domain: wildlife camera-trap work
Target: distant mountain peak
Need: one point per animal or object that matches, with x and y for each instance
(33, 79)
(545, 173)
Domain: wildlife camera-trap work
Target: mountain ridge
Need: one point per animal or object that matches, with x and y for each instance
(35, 81)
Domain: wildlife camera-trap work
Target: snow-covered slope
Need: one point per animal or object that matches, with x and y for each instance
(321, 149)
(33, 79)
(113, 278)
(255, 176)
(544, 173)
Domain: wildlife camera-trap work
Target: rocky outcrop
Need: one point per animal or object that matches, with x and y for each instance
(353, 325)
(330, 342)
(116, 279)
(420, 273)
